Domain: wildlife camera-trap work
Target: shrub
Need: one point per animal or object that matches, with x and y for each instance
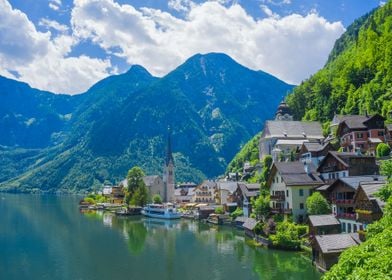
(219, 210)
(237, 213)
(383, 150)
(89, 200)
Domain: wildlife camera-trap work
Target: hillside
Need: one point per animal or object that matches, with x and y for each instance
(358, 75)
(212, 104)
(31, 118)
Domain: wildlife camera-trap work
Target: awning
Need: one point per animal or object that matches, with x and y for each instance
(374, 140)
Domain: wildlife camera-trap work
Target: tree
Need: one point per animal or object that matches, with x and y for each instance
(134, 182)
(219, 210)
(260, 206)
(383, 150)
(317, 204)
(140, 196)
(157, 199)
(386, 169)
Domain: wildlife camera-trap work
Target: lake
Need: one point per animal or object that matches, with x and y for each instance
(46, 237)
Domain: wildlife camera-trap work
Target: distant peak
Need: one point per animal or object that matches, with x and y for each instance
(138, 69)
(211, 56)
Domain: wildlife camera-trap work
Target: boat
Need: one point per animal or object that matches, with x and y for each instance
(161, 211)
(129, 211)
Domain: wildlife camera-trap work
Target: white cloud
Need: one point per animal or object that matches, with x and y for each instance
(55, 4)
(180, 5)
(42, 61)
(291, 47)
(47, 23)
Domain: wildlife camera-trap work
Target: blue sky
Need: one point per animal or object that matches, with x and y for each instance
(66, 46)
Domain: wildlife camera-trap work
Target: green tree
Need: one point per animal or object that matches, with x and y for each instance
(140, 196)
(237, 213)
(317, 204)
(157, 199)
(135, 178)
(383, 150)
(261, 207)
(219, 210)
(386, 168)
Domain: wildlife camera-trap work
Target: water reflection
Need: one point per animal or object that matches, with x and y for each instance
(45, 237)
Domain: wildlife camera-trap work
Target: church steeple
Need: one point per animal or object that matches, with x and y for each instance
(169, 154)
(168, 173)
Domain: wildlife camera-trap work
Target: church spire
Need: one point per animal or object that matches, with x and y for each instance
(169, 154)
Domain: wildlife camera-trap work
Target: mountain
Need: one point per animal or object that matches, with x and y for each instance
(211, 103)
(357, 78)
(32, 118)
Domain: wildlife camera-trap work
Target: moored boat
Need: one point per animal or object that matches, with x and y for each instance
(161, 211)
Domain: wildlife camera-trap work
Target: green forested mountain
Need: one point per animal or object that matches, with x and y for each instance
(358, 75)
(212, 104)
(31, 118)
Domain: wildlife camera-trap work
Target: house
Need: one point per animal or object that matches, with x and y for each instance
(323, 224)
(117, 195)
(290, 184)
(314, 152)
(239, 221)
(205, 192)
(283, 113)
(368, 207)
(243, 195)
(388, 133)
(363, 133)
(336, 165)
(184, 195)
(249, 227)
(282, 138)
(154, 185)
(326, 249)
(107, 190)
(225, 192)
(341, 194)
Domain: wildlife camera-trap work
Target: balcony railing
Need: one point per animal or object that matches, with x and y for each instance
(349, 216)
(343, 201)
(281, 211)
(277, 197)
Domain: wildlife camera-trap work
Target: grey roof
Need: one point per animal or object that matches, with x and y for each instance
(293, 129)
(150, 180)
(252, 187)
(335, 243)
(250, 223)
(323, 188)
(343, 157)
(229, 186)
(246, 192)
(294, 174)
(240, 219)
(354, 181)
(370, 188)
(208, 183)
(323, 220)
(354, 121)
(315, 146)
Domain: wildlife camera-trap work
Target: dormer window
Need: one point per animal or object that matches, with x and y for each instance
(304, 134)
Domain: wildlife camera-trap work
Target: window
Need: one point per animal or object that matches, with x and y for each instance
(355, 228)
(380, 133)
(348, 228)
(301, 206)
(359, 135)
(301, 192)
(343, 227)
(310, 192)
(287, 193)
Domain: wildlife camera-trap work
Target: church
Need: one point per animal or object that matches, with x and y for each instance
(168, 173)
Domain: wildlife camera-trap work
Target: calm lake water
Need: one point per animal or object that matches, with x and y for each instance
(45, 237)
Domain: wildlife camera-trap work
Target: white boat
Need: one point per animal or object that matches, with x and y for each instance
(161, 211)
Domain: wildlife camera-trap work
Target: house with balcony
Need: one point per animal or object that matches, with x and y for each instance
(205, 192)
(341, 194)
(368, 207)
(225, 193)
(337, 165)
(290, 184)
(314, 152)
(388, 133)
(244, 194)
(281, 138)
(360, 133)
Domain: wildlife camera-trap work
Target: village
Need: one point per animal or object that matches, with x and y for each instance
(318, 192)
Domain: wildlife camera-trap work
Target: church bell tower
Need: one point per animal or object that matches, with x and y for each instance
(168, 173)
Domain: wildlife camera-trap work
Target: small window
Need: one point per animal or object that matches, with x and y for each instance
(355, 228)
(287, 193)
(348, 228)
(301, 206)
(381, 133)
(301, 192)
(310, 192)
(359, 135)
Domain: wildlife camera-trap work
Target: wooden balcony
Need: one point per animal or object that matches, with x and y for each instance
(281, 211)
(277, 197)
(343, 201)
(348, 216)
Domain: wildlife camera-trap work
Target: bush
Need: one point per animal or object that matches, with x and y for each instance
(157, 199)
(317, 204)
(89, 200)
(287, 236)
(237, 213)
(219, 210)
(383, 150)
